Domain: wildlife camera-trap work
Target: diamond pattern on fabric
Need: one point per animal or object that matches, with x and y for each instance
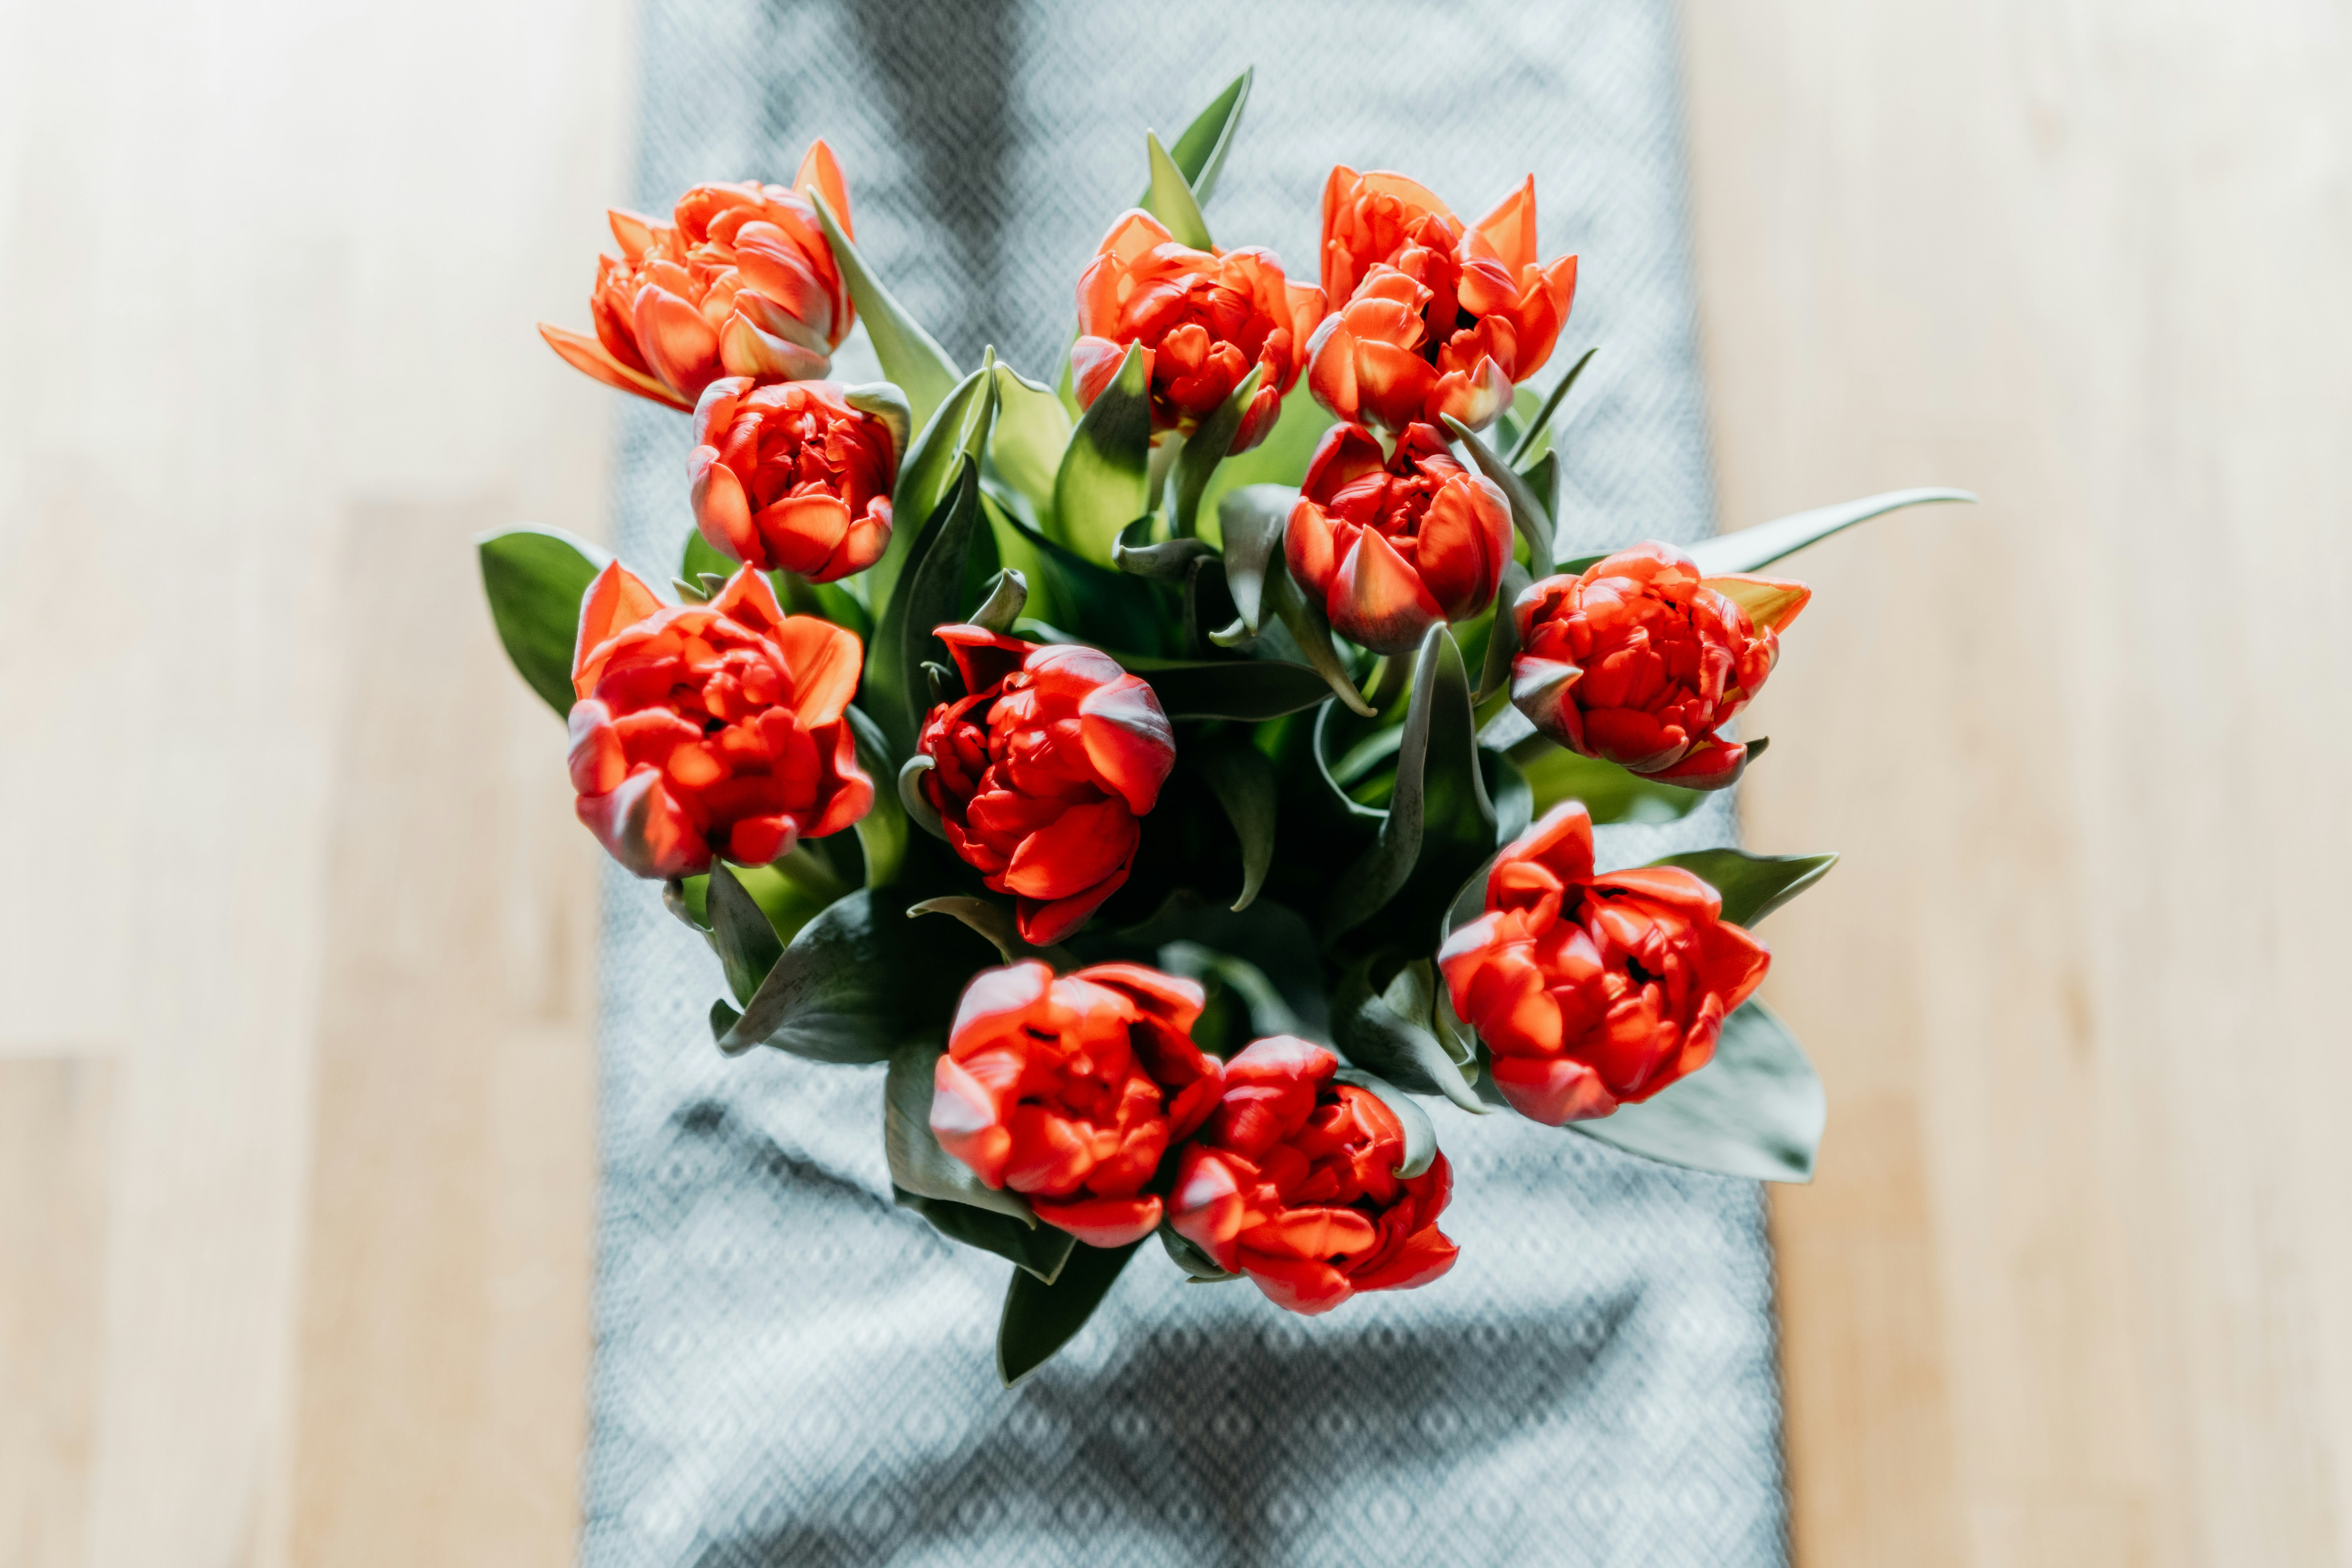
(788, 1370)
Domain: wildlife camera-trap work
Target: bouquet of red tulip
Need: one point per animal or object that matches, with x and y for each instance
(1222, 755)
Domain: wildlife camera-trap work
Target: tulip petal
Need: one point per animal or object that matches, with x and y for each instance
(1043, 923)
(1554, 1092)
(1540, 689)
(722, 513)
(1424, 1256)
(996, 998)
(1508, 233)
(1769, 602)
(1102, 1222)
(824, 662)
(1713, 764)
(1306, 1286)
(1377, 598)
(1129, 740)
(681, 347)
(745, 349)
(617, 599)
(820, 174)
(585, 354)
(1081, 848)
(641, 825)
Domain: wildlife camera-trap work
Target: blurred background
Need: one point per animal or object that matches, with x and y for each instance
(297, 1070)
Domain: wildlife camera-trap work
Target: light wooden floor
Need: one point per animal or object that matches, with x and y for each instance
(295, 1090)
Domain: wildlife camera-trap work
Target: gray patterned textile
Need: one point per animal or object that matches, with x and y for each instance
(789, 1371)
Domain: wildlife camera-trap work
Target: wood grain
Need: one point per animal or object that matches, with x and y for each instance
(2072, 1286)
(267, 279)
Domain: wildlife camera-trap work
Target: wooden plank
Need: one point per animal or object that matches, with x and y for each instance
(57, 1120)
(2071, 986)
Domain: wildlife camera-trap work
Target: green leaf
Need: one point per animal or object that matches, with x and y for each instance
(1113, 610)
(910, 357)
(1610, 793)
(1184, 1254)
(1169, 561)
(1438, 786)
(1024, 451)
(1271, 937)
(1392, 1028)
(747, 946)
(1527, 513)
(1242, 780)
(535, 579)
(917, 1163)
(962, 425)
(1038, 1249)
(858, 982)
(1503, 639)
(1251, 522)
(697, 558)
(1250, 690)
(897, 692)
(1200, 152)
(882, 831)
(1279, 459)
(1206, 448)
(1170, 198)
(1753, 549)
(1104, 481)
(1270, 1012)
(1040, 1319)
(1303, 620)
(1756, 1111)
(1537, 423)
(994, 924)
(1752, 886)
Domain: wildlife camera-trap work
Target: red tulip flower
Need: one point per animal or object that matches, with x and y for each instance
(1204, 317)
(710, 729)
(1638, 659)
(1429, 318)
(741, 281)
(1593, 992)
(1392, 546)
(1041, 773)
(1294, 1184)
(1070, 1090)
(789, 476)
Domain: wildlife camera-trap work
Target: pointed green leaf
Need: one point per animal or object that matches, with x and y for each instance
(1170, 198)
(1198, 1265)
(1752, 886)
(1103, 484)
(1251, 521)
(1113, 610)
(1200, 152)
(897, 692)
(882, 831)
(993, 923)
(1196, 465)
(962, 424)
(1303, 620)
(696, 560)
(1392, 1032)
(535, 579)
(1024, 451)
(860, 981)
(1753, 549)
(1756, 1111)
(1533, 428)
(917, 1163)
(1040, 1319)
(1502, 641)
(1169, 561)
(747, 946)
(1038, 1249)
(1439, 794)
(1610, 793)
(911, 358)
(1527, 513)
(1242, 780)
(1251, 691)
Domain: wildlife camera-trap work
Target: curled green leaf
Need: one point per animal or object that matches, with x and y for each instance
(748, 945)
(1756, 1111)
(1752, 886)
(1040, 1250)
(1527, 513)
(917, 1163)
(1242, 780)
(1303, 620)
(1390, 1029)
(995, 924)
(1170, 561)
(1251, 521)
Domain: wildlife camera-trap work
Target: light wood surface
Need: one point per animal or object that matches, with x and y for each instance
(2074, 1285)
(296, 1082)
